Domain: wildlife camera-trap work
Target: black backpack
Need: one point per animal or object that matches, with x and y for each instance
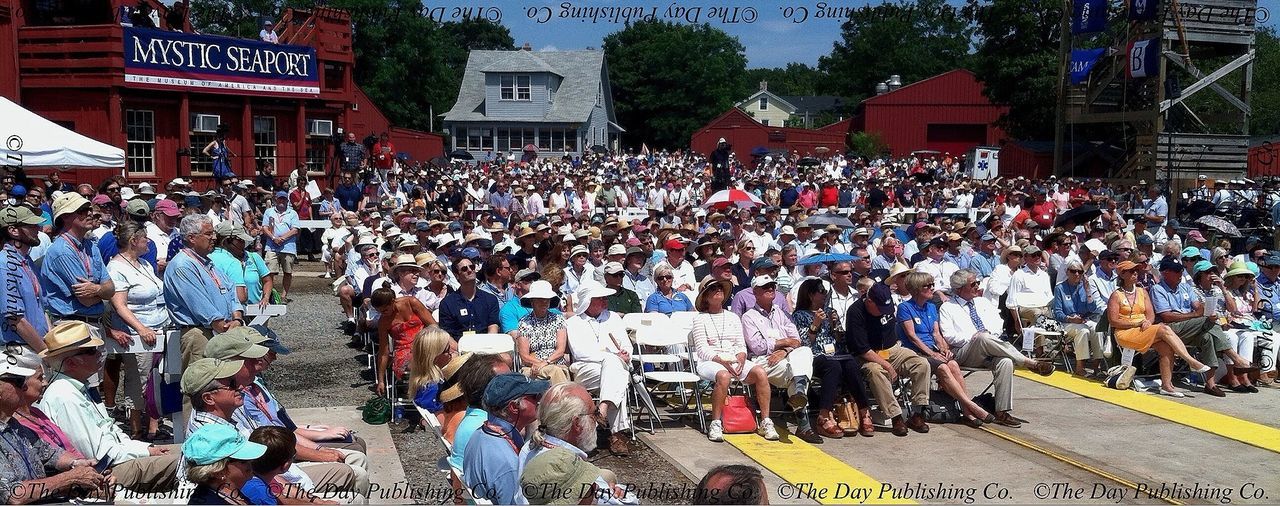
(942, 408)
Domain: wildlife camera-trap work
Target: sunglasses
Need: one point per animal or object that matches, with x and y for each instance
(664, 278)
(436, 271)
(930, 285)
(1075, 271)
(466, 268)
(841, 273)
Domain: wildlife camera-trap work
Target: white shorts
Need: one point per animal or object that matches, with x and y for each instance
(707, 370)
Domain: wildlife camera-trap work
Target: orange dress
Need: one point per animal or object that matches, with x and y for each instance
(402, 335)
(1135, 312)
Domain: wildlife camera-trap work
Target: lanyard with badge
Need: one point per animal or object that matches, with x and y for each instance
(212, 276)
(84, 257)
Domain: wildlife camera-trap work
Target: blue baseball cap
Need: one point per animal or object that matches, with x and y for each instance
(18, 191)
(455, 226)
(1191, 252)
(216, 441)
(471, 253)
(423, 226)
(1270, 260)
(1201, 266)
(282, 194)
(505, 387)
(763, 263)
(1170, 264)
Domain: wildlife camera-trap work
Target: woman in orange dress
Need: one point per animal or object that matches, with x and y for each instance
(1131, 315)
(400, 321)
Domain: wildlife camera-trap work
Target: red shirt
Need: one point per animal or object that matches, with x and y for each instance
(1044, 213)
(384, 160)
(830, 197)
(301, 202)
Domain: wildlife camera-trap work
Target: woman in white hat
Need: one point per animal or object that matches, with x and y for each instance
(541, 337)
(1241, 296)
(722, 357)
(576, 272)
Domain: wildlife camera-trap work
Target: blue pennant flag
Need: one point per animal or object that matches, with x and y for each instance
(1089, 16)
(1143, 10)
(1144, 58)
(1082, 61)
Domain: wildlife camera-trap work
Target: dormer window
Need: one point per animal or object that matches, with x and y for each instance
(515, 87)
(764, 103)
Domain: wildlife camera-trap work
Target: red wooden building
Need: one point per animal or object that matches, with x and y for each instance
(946, 113)
(82, 67)
(1264, 157)
(745, 134)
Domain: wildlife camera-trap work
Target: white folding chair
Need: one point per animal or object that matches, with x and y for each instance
(647, 324)
(490, 344)
(665, 339)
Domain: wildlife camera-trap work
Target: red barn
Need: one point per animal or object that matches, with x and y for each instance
(87, 67)
(745, 134)
(1264, 157)
(946, 112)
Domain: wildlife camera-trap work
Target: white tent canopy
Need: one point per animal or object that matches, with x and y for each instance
(43, 143)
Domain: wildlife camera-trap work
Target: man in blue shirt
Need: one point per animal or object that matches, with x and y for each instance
(201, 300)
(25, 323)
(1178, 306)
(280, 232)
(491, 463)
(73, 274)
(1157, 210)
(468, 309)
(985, 259)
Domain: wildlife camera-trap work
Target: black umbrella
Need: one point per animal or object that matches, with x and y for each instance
(439, 161)
(923, 177)
(461, 154)
(808, 161)
(599, 150)
(1078, 215)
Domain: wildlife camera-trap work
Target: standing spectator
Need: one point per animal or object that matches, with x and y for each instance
(268, 33)
(349, 193)
(280, 231)
(200, 299)
(138, 315)
(25, 322)
(353, 154)
(300, 200)
(384, 154)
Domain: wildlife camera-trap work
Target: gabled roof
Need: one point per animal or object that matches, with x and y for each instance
(954, 87)
(773, 99)
(520, 61)
(582, 73)
(814, 104)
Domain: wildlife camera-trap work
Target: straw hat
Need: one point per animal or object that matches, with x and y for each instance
(1004, 255)
(406, 261)
(704, 288)
(449, 371)
(67, 337)
(422, 259)
(540, 289)
(898, 269)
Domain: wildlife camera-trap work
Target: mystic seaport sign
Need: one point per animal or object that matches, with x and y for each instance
(169, 60)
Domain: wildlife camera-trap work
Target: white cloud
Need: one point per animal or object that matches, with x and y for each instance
(548, 48)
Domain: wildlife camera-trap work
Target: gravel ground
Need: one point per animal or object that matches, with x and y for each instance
(325, 370)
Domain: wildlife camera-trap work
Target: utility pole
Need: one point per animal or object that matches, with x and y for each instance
(1064, 57)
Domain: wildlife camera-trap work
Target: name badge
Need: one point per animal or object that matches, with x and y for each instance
(462, 312)
(829, 348)
(468, 332)
(917, 319)
(884, 354)
(771, 333)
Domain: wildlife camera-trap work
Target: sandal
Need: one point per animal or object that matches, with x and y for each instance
(828, 428)
(866, 428)
(1171, 393)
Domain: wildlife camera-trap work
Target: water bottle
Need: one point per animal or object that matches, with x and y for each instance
(397, 412)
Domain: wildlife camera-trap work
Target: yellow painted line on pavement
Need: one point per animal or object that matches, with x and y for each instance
(1244, 431)
(812, 472)
(1071, 461)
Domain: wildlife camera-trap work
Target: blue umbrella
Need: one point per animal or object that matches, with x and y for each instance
(760, 151)
(822, 258)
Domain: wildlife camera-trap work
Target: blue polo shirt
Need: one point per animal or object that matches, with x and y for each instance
(280, 224)
(22, 295)
(922, 318)
(247, 273)
(196, 293)
(659, 303)
(492, 461)
(1177, 299)
(65, 263)
(472, 419)
(984, 264)
(458, 315)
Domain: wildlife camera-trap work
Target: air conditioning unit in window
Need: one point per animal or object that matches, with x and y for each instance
(320, 128)
(206, 123)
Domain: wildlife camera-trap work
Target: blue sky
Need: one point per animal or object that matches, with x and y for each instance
(775, 32)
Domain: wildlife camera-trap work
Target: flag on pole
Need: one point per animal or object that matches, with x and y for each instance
(644, 149)
(1144, 59)
(1082, 61)
(1089, 16)
(1143, 10)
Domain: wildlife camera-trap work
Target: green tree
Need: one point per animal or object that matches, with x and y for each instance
(915, 39)
(1265, 100)
(236, 18)
(669, 79)
(1017, 61)
(794, 79)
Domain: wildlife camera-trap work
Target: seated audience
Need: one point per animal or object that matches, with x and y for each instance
(542, 340)
(491, 465)
(219, 461)
(721, 349)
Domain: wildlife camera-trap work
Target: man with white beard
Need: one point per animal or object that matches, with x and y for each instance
(566, 416)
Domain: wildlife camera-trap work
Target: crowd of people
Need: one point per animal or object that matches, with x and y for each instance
(851, 279)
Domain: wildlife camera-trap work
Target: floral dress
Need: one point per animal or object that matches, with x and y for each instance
(541, 333)
(825, 336)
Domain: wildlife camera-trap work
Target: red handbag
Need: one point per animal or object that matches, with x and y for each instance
(737, 417)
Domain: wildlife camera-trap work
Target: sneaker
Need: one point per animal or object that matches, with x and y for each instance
(767, 431)
(715, 431)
